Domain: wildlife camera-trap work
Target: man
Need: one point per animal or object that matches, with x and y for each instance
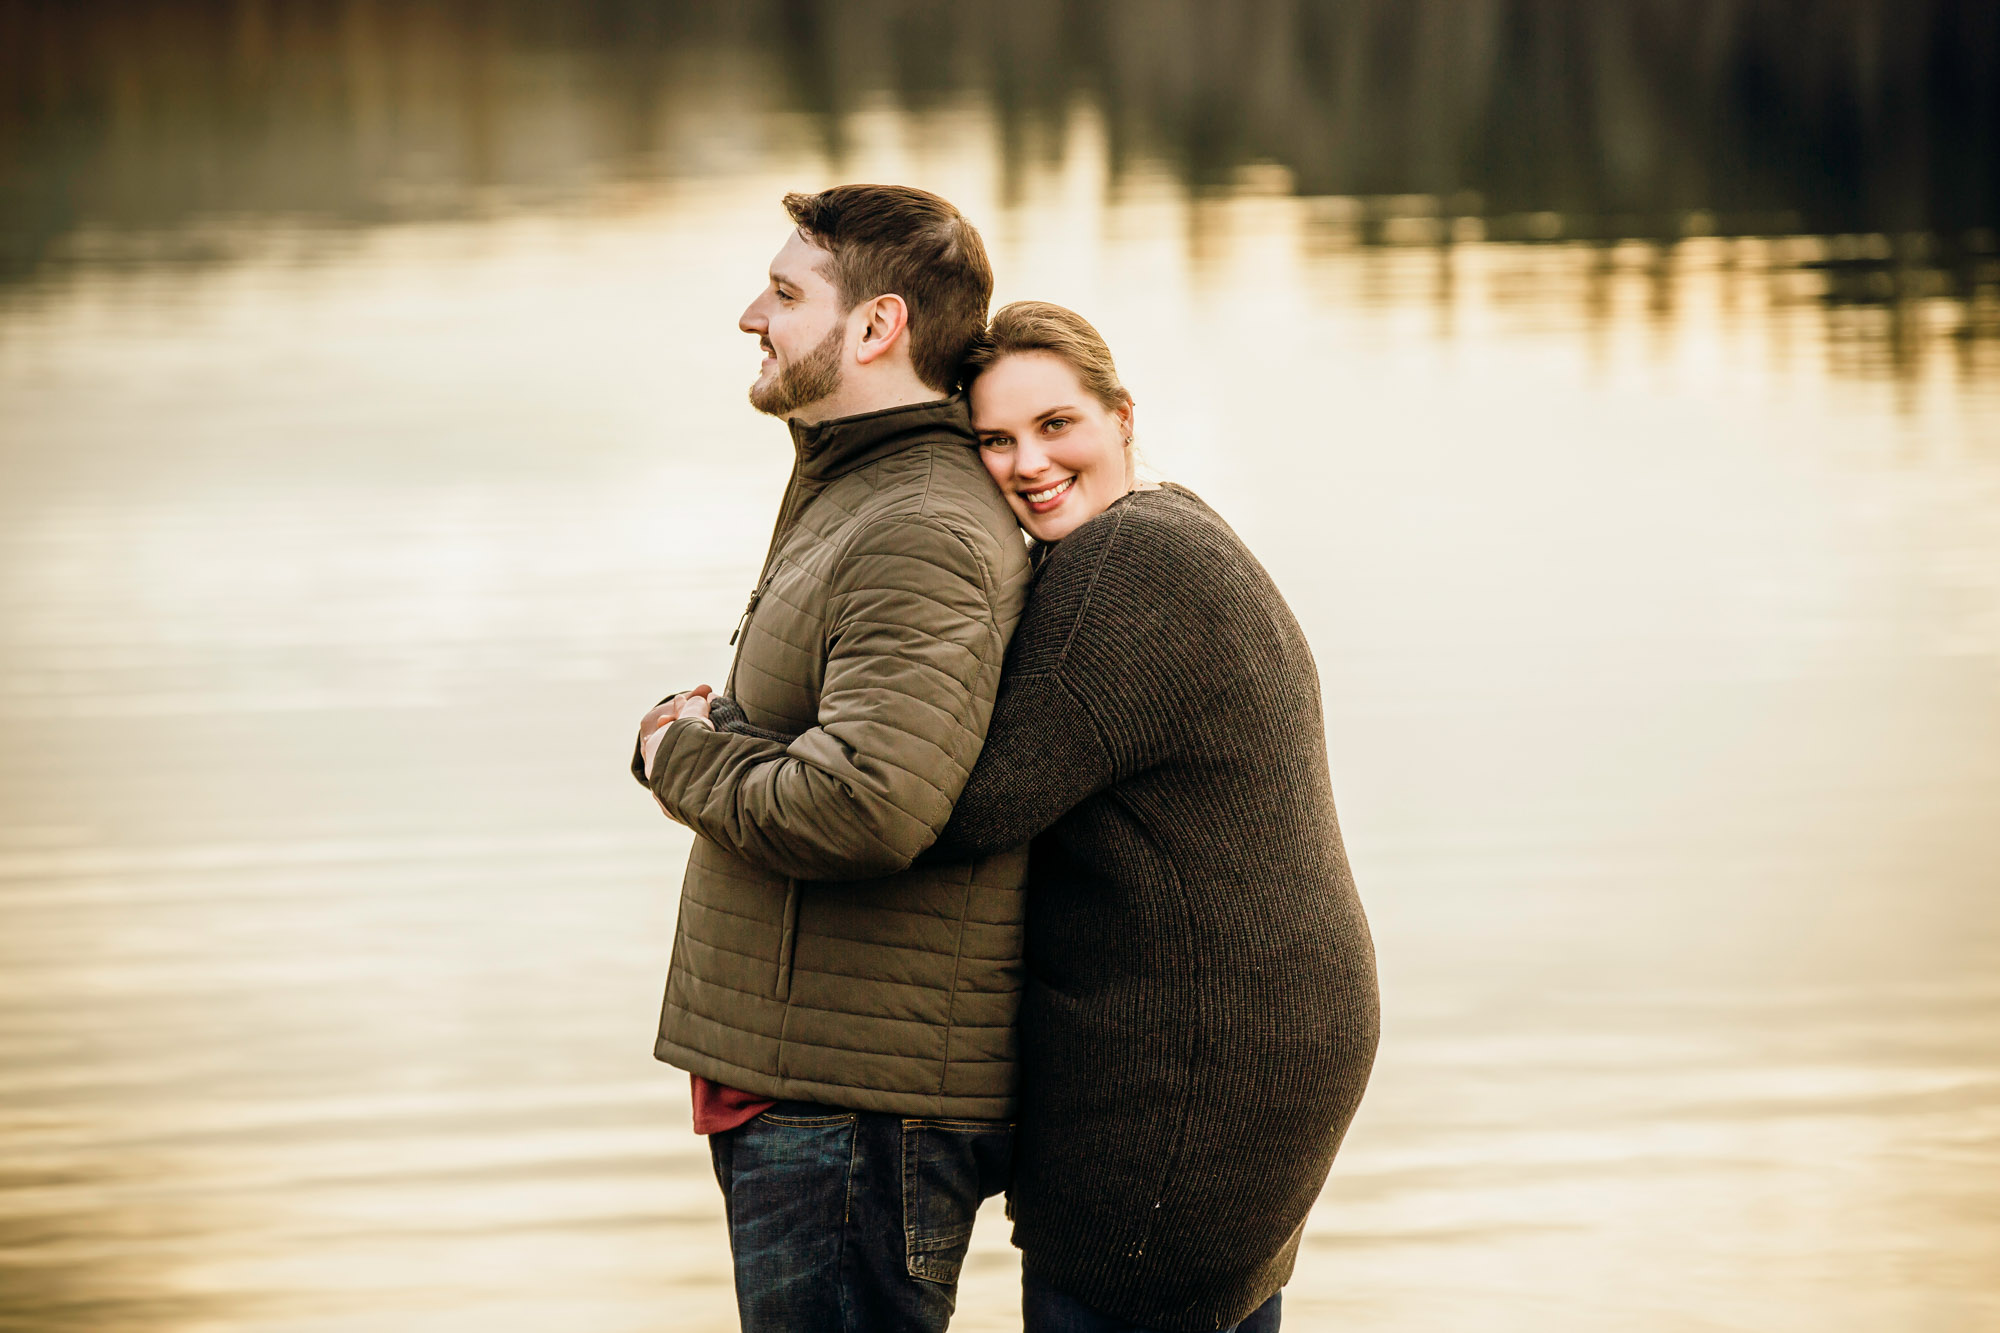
(849, 1020)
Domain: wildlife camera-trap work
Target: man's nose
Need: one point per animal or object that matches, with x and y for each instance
(752, 319)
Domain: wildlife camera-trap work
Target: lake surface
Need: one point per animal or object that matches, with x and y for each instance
(1654, 580)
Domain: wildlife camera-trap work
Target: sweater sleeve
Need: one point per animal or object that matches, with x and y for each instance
(911, 669)
(1130, 648)
(1043, 756)
(1060, 731)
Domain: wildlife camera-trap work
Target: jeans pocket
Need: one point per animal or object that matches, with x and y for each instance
(803, 1115)
(949, 1166)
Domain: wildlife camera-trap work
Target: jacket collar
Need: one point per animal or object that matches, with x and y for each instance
(829, 448)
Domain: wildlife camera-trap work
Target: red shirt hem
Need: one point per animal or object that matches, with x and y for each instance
(718, 1107)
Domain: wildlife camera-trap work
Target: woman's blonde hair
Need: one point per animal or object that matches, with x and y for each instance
(1040, 326)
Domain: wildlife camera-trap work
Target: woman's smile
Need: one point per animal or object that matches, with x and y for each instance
(1042, 501)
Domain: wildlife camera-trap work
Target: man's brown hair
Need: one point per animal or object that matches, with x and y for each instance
(894, 240)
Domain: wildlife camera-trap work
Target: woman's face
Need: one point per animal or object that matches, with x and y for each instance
(1056, 453)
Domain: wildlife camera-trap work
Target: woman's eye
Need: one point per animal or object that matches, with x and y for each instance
(997, 442)
(1054, 424)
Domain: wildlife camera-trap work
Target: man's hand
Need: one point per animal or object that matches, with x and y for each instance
(691, 704)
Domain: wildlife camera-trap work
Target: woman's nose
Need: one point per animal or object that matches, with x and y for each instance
(1029, 460)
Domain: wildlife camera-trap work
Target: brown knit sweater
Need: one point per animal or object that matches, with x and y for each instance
(1201, 1012)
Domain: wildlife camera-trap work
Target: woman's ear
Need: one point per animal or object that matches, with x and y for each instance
(1126, 419)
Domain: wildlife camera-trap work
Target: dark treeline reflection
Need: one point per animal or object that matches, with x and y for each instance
(129, 128)
(1826, 116)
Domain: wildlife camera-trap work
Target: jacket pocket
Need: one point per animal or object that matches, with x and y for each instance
(788, 940)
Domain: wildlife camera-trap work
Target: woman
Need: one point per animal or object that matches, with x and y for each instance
(1201, 1011)
(1200, 1014)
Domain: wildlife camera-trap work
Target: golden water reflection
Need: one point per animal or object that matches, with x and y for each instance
(1658, 614)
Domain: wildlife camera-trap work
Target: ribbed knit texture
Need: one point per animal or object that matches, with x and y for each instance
(1201, 1012)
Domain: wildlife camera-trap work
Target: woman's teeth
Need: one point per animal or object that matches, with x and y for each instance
(1043, 497)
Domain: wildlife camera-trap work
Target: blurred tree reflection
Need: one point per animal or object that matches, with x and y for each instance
(158, 121)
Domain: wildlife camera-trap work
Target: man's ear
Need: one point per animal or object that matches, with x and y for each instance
(883, 321)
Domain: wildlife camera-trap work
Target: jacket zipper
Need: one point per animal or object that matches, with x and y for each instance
(783, 527)
(744, 619)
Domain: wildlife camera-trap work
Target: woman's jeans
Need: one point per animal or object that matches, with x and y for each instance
(1046, 1310)
(853, 1221)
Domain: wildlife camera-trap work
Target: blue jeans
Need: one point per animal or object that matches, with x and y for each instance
(853, 1221)
(1046, 1310)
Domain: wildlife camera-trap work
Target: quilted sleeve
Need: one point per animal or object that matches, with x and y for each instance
(913, 663)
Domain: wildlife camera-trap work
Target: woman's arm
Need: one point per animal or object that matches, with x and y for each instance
(1043, 756)
(1092, 686)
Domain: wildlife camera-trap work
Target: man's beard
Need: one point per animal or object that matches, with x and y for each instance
(805, 381)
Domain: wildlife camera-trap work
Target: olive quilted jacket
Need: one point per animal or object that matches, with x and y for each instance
(811, 961)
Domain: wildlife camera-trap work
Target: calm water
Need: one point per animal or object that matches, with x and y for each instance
(1655, 586)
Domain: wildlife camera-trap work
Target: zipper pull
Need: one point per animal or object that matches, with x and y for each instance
(744, 619)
